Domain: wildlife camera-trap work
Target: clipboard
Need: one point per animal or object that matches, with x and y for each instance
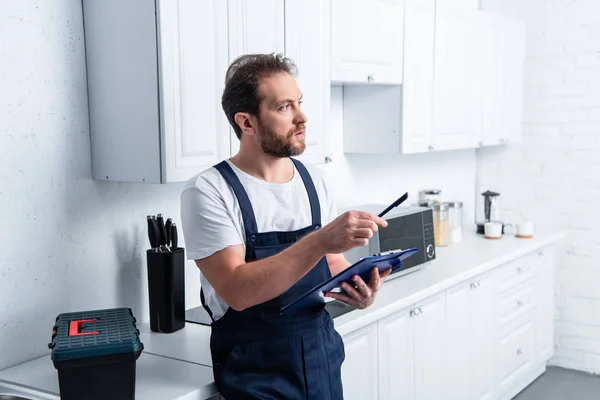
(361, 268)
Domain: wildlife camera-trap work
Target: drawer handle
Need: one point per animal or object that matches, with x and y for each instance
(520, 270)
(416, 311)
(519, 352)
(519, 303)
(473, 285)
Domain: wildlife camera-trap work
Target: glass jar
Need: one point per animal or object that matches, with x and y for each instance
(455, 222)
(430, 196)
(440, 224)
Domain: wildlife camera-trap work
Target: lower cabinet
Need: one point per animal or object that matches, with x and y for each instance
(359, 370)
(483, 339)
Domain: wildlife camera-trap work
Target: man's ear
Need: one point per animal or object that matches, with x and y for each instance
(246, 122)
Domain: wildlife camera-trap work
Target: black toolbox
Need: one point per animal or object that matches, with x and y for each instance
(95, 353)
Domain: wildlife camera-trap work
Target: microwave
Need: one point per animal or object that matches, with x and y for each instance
(407, 227)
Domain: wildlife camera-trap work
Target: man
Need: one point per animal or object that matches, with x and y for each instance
(262, 231)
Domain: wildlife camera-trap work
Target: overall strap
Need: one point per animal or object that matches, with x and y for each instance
(248, 217)
(315, 207)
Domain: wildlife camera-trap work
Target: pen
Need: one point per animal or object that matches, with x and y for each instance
(401, 200)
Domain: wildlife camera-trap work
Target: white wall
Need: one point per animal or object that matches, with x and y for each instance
(71, 243)
(68, 243)
(554, 176)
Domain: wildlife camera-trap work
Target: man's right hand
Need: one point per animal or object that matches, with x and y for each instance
(349, 230)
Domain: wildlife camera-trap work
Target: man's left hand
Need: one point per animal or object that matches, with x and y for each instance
(357, 292)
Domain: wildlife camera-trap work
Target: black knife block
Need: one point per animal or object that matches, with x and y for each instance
(166, 290)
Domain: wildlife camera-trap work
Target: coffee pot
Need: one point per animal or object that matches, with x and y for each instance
(488, 210)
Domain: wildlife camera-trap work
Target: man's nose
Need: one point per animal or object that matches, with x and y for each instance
(300, 117)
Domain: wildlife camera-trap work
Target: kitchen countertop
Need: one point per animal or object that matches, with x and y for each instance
(157, 378)
(453, 265)
(177, 365)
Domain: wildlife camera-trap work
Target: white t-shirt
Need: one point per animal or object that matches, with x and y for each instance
(212, 220)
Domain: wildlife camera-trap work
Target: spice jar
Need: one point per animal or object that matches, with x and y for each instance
(455, 221)
(440, 224)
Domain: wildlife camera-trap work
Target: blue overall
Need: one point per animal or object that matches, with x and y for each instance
(258, 353)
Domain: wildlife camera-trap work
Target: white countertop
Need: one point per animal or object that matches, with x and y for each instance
(453, 264)
(157, 378)
(161, 374)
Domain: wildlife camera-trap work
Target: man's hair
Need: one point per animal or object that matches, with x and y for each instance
(241, 93)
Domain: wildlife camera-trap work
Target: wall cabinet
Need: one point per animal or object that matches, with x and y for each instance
(486, 338)
(462, 85)
(367, 41)
(156, 78)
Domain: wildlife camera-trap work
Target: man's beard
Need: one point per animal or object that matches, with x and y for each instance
(278, 146)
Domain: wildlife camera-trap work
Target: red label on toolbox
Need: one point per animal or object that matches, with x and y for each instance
(75, 326)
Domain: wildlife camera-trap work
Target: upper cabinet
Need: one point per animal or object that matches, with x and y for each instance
(255, 26)
(367, 41)
(153, 99)
(503, 49)
(156, 73)
(456, 89)
(462, 84)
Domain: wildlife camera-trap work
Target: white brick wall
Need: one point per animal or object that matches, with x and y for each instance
(559, 159)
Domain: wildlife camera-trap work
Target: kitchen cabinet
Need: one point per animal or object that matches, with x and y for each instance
(397, 356)
(417, 90)
(359, 369)
(367, 41)
(503, 49)
(544, 290)
(300, 31)
(411, 351)
(456, 90)
(307, 38)
(472, 312)
(154, 103)
(256, 26)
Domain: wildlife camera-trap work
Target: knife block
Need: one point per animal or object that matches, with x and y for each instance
(166, 290)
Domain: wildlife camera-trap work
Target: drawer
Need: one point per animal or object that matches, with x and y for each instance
(516, 301)
(515, 273)
(516, 351)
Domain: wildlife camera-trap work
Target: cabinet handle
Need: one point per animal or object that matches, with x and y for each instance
(329, 158)
(371, 77)
(519, 303)
(430, 148)
(420, 311)
(541, 254)
(478, 284)
(473, 285)
(519, 352)
(520, 270)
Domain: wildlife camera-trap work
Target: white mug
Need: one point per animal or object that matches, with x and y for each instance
(524, 229)
(492, 230)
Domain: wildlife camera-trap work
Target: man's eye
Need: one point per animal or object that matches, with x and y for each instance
(300, 103)
(284, 107)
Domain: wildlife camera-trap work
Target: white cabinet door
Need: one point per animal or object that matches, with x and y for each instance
(471, 316)
(396, 357)
(545, 278)
(417, 88)
(194, 128)
(255, 26)
(367, 41)
(457, 92)
(307, 24)
(359, 370)
(430, 348)
(503, 57)
(458, 307)
(483, 355)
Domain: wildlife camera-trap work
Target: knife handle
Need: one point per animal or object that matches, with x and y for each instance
(168, 231)
(173, 236)
(161, 229)
(153, 234)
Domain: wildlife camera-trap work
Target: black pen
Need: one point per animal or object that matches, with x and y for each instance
(401, 200)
